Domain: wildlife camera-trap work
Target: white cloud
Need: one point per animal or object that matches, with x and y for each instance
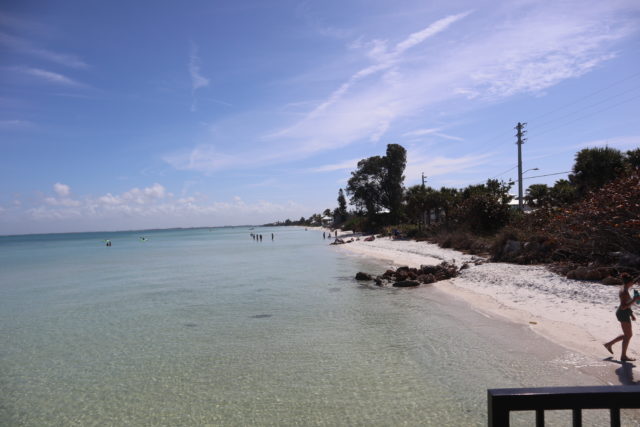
(61, 190)
(198, 81)
(519, 47)
(64, 201)
(204, 158)
(432, 131)
(529, 48)
(26, 47)
(384, 60)
(433, 29)
(347, 164)
(154, 206)
(417, 163)
(421, 132)
(51, 77)
(620, 142)
(15, 124)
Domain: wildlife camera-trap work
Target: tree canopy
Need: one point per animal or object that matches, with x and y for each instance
(377, 183)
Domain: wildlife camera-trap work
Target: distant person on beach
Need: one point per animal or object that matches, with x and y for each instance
(625, 316)
(272, 236)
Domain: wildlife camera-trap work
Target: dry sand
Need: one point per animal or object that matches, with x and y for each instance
(578, 315)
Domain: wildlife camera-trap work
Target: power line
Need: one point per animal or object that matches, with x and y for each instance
(587, 115)
(588, 106)
(540, 176)
(588, 95)
(502, 173)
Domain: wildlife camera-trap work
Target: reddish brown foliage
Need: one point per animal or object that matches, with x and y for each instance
(606, 221)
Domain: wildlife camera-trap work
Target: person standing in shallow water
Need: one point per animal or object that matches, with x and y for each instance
(624, 315)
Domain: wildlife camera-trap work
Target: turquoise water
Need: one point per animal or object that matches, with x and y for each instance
(209, 327)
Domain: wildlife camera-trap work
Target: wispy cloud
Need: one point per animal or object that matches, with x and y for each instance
(198, 81)
(621, 142)
(347, 164)
(417, 163)
(28, 48)
(383, 60)
(15, 124)
(528, 48)
(51, 77)
(522, 47)
(421, 132)
(432, 131)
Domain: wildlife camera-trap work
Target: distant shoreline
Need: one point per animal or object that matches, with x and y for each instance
(132, 230)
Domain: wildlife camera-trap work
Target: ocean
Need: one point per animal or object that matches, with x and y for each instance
(210, 327)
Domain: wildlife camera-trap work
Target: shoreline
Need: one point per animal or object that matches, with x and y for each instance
(577, 315)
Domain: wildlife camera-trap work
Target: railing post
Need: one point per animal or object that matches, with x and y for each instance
(539, 417)
(498, 413)
(501, 402)
(577, 417)
(615, 417)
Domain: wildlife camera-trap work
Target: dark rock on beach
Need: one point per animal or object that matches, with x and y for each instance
(363, 276)
(611, 281)
(406, 284)
(404, 277)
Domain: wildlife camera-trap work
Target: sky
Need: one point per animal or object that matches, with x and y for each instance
(127, 115)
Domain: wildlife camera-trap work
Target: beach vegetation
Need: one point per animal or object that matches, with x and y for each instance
(377, 185)
(594, 167)
(340, 214)
(632, 159)
(562, 193)
(538, 195)
(588, 226)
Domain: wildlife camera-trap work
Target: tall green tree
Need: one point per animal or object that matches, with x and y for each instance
(594, 167)
(365, 185)
(448, 200)
(562, 193)
(417, 203)
(395, 162)
(342, 206)
(377, 183)
(485, 208)
(538, 195)
(632, 158)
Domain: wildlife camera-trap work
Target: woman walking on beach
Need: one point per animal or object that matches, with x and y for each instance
(624, 315)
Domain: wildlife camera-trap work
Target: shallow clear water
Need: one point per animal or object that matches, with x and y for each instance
(209, 327)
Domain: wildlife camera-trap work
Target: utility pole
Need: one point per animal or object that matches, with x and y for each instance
(424, 178)
(520, 128)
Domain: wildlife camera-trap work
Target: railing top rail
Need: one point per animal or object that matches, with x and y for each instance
(592, 397)
(540, 391)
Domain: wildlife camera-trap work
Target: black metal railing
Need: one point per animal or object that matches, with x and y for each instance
(502, 401)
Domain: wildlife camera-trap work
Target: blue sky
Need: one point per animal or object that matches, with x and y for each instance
(126, 115)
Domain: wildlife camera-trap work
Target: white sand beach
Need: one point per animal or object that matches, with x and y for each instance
(578, 315)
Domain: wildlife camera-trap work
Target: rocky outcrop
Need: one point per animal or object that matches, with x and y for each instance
(592, 272)
(406, 284)
(363, 276)
(404, 277)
